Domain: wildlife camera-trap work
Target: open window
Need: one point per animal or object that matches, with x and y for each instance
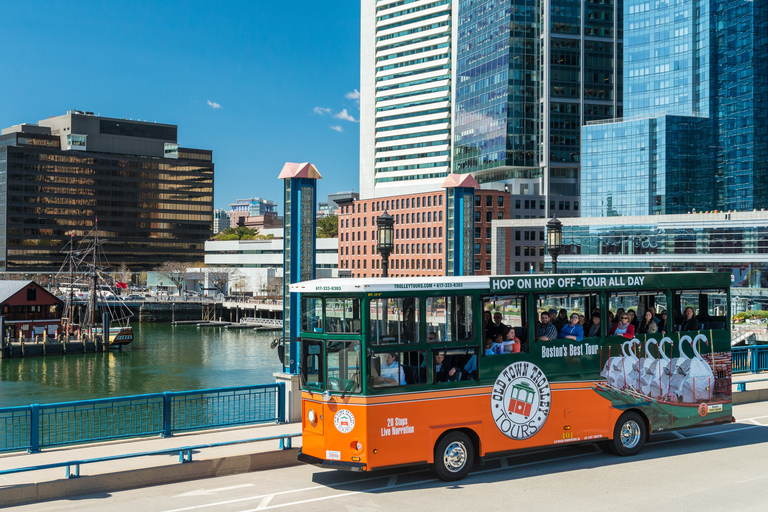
(635, 304)
(397, 368)
(504, 312)
(454, 365)
(566, 306)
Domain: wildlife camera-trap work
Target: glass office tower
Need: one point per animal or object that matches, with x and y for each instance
(528, 75)
(695, 101)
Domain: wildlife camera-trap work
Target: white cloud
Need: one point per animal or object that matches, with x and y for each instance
(337, 128)
(345, 116)
(322, 111)
(213, 104)
(353, 95)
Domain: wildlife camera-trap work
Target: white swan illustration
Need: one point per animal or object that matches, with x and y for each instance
(698, 380)
(646, 368)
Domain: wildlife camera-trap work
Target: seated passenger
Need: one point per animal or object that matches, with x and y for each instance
(392, 373)
(491, 348)
(470, 369)
(622, 327)
(594, 327)
(545, 330)
(573, 330)
(691, 323)
(561, 320)
(444, 372)
(647, 325)
(431, 336)
(510, 344)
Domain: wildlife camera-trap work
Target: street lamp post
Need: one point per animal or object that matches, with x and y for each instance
(385, 231)
(554, 240)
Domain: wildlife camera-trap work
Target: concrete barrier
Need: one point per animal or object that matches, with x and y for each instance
(108, 482)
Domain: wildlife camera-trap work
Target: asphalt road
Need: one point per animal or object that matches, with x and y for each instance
(706, 469)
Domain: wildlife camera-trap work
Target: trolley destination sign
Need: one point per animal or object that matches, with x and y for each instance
(566, 283)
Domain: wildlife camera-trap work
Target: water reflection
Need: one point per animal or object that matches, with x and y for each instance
(162, 357)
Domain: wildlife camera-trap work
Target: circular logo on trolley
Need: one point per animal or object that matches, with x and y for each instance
(344, 421)
(521, 400)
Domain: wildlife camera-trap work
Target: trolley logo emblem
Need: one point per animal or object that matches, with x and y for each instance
(344, 421)
(521, 400)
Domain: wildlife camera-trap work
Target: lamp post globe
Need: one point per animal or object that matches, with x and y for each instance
(385, 235)
(554, 240)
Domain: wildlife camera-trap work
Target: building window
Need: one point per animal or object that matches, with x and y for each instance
(488, 216)
(488, 265)
(500, 202)
(477, 232)
(575, 206)
(488, 248)
(517, 266)
(527, 204)
(477, 216)
(517, 250)
(488, 232)
(541, 205)
(517, 204)
(489, 200)
(541, 250)
(477, 248)
(477, 264)
(527, 235)
(517, 235)
(541, 235)
(478, 201)
(500, 215)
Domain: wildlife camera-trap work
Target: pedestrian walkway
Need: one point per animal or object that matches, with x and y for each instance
(129, 473)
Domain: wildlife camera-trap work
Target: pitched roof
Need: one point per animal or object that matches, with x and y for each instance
(304, 170)
(460, 180)
(10, 288)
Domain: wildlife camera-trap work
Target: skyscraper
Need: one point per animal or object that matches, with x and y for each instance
(153, 199)
(522, 77)
(696, 84)
(405, 103)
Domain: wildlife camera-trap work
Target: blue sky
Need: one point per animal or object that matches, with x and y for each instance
(259, 83)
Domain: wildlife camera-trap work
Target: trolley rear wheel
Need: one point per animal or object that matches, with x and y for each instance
(628, 435)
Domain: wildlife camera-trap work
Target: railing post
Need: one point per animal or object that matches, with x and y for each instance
(167, 416)
(34, 428)
(753, 356)
(281, 402)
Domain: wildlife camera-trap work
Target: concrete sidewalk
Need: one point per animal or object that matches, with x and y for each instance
(48, 484)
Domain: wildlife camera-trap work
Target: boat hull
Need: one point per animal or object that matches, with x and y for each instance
(120, 336)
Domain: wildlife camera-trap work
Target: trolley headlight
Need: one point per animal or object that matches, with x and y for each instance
(356, 446)
(312, 416)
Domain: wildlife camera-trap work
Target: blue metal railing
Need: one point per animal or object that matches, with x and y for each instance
(752, 358)
(36, 426)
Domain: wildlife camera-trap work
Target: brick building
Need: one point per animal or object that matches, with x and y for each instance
(420, 233)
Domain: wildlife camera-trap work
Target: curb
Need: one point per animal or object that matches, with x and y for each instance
(750, 396)
(146, 477)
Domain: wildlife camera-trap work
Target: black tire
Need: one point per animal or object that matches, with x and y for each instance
(454, 454)
(629, 435)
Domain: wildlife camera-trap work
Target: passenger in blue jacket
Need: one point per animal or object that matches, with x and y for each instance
(573, 330)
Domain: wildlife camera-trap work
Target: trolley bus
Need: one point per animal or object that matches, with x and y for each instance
(399, 371)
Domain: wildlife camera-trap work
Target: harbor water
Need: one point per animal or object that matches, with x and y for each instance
(162, 357)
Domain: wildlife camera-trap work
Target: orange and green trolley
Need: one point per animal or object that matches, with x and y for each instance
(399, 371)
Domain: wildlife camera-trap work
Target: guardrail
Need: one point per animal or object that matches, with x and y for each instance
(185, 455)
(752, 359)
(36, 426)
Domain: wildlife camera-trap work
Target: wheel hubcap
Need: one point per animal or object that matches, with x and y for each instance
(630, 434)
(455, 457)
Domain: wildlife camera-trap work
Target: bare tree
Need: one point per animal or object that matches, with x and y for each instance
(275, 287)
(124, 273)
(220, 278)
(174, 271)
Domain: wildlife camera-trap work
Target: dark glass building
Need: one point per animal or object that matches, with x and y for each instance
(153, 199)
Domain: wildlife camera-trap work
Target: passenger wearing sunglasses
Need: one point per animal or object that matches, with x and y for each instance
(572, 330)
(622, 327)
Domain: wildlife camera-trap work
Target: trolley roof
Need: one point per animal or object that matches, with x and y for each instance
(518, 283)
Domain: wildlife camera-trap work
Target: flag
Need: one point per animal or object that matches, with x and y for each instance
(118, 284)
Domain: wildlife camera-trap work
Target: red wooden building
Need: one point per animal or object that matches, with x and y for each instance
(29, 309)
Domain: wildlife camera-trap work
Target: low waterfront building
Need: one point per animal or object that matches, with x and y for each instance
(29, 310)
(153, 199)
(251, 207)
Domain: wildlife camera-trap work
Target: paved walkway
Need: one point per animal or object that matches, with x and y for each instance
(45, 484)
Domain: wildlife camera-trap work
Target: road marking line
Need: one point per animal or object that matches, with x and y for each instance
(678, 434)
(752, 479)
(504, 463)
(392, 481)
(388, 487)
(265, 502)
(205, 492)
(756, 422)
